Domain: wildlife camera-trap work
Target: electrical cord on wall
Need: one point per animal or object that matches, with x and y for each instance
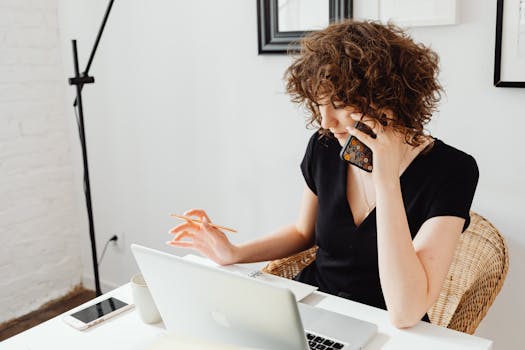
(113, 238)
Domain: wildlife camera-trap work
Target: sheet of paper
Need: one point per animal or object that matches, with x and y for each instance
(300, 290)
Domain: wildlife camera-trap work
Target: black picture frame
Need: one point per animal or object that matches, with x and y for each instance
(497, 54)
(272, 41)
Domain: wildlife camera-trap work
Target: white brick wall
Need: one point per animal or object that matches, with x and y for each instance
(39, 215)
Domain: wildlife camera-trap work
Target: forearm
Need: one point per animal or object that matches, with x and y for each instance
(284, 242)
(403, 278)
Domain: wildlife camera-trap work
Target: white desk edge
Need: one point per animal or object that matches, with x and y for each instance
(128, 332)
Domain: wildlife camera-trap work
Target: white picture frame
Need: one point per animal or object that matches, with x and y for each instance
(408, 13)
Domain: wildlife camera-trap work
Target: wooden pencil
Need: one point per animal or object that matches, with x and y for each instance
(200, 221)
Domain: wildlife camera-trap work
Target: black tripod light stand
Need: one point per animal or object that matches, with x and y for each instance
(79, 80)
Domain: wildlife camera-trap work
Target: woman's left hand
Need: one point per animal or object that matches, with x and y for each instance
(389, 148)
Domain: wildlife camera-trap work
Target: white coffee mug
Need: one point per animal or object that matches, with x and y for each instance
(143, 301)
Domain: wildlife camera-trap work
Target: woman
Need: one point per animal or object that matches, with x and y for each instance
(385, 238)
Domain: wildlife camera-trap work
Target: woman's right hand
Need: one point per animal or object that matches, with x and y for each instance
(204, 238)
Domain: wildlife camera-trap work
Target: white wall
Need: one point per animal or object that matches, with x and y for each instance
(185, 114)
(39, 219)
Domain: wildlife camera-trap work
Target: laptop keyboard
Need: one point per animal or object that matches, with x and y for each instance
(317, 342)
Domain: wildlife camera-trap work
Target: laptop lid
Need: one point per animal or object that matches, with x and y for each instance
(218, 306)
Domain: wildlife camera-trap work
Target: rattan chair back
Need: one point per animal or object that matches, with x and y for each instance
(475, 277)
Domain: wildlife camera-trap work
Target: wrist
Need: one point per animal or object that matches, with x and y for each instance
(387, 184)
(235, 254)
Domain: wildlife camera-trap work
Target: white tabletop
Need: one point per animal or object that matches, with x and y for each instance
(127, 331)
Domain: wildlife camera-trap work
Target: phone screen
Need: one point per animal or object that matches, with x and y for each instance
(98, 310)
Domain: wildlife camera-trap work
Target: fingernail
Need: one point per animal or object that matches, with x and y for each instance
(356, 115)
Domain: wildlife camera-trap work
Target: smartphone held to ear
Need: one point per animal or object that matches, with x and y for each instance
(356, 152)
(96, 313)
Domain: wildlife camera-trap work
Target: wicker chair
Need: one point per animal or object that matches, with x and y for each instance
(474, 279)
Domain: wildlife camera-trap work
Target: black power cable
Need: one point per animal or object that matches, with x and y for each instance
(113, 238)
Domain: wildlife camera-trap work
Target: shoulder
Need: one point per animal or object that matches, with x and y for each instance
(448, 159)
(322, 155)
(320, 142)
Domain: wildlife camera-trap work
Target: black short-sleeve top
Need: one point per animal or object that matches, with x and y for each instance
(440, 182)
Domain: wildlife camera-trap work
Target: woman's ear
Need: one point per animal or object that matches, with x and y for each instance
(385, 112)
(387, 116)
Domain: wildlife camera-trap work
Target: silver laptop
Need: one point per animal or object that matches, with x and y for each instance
(219, 306)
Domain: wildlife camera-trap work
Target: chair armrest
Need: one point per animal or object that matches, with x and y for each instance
(289, 267)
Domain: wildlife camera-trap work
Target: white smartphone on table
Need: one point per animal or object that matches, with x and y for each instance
(96, 313)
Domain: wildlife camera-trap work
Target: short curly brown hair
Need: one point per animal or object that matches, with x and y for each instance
(371, 67)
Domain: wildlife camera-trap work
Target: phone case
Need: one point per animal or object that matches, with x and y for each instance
(357, 153)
